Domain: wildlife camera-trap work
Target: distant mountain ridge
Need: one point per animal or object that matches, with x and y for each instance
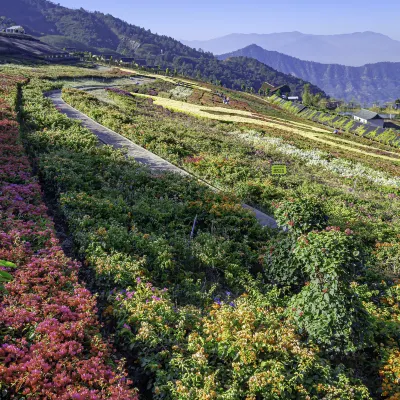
(353, 49)
(98, 32)
(367, 84)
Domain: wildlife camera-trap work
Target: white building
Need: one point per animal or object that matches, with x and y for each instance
(369, 117)
(15, 29)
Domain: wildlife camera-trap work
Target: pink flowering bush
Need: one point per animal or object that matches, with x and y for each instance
(51, 346)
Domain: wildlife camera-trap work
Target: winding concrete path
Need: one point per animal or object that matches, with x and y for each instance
(141, 155)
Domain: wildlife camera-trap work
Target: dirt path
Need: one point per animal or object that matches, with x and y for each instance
(141, 155)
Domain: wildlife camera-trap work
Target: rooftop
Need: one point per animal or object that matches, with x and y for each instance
(367, 114)
(275, 89)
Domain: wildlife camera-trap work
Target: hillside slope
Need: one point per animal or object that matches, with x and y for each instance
(354, 49)
(11, 45)
(367, 84)
(95, 31)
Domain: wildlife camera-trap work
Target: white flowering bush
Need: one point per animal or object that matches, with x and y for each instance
(181, 92)
(338, 166)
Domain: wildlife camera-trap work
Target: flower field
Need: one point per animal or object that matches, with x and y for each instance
(201, 301)
(237, 159)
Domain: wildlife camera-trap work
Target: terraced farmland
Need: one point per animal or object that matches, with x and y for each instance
(200, 300)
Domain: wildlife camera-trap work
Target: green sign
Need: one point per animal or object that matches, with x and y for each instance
(278, 169)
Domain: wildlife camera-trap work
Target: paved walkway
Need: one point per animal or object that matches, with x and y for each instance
(141, 155)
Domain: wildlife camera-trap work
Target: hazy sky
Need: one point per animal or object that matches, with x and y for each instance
(207, 19)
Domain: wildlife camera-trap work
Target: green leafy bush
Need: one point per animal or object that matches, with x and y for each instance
(280, 266)
(4, 275)
(301, 215)
(328, 308)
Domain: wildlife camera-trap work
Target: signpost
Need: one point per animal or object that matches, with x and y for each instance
(278, 169)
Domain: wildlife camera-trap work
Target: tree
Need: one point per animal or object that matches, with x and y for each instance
(306, 95)
(243, 87)
(316, 99)
(111, 60)
(167, 71)
(397, 101)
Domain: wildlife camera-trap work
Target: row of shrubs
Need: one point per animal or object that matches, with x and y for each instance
(51, 346)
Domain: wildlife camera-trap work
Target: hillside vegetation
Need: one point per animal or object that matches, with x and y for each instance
(201, 300)
(372, 83)
(103, 33)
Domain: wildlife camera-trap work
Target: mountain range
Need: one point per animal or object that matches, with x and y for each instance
(370, 83)
(102, 33)
(354, 49)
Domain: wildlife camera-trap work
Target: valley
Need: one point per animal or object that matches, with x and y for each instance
(367, 85)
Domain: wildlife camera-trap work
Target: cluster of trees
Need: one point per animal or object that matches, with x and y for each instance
(310, 99)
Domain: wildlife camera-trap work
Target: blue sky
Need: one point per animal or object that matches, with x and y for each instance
(212, 18)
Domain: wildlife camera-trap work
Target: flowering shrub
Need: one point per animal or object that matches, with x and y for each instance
(301, 215)
(390, 374)
(388, 257)
(344, 168)
(236, 348)
(51, 346)
(181, 93)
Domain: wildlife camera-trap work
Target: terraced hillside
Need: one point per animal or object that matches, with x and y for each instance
(27, 46)
(200, 299)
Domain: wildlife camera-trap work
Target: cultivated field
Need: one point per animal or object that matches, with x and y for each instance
(199, 299)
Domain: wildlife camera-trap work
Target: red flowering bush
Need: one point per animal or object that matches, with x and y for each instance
(51, 346)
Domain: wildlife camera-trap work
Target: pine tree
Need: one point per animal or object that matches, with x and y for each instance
(307, 96)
